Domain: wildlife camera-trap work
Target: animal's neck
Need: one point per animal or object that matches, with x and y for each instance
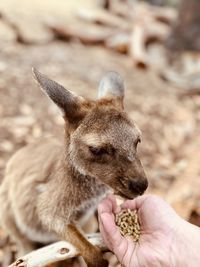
(90, 186)
(73, 192)
(79, 186)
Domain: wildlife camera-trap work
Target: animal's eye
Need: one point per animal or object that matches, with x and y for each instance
(97, 151)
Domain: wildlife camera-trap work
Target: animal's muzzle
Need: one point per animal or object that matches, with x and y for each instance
(138, 186)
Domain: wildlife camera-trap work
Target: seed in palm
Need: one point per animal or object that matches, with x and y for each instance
(128, 223)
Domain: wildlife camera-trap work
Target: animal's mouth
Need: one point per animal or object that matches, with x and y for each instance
(122, 191)
(131, 188)
(126, 195)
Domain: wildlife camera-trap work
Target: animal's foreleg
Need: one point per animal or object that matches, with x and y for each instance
(91, 254)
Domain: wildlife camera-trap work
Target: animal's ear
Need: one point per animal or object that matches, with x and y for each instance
(68, 102)
(112, 86)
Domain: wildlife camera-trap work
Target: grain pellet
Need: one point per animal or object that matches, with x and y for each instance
(128, 223)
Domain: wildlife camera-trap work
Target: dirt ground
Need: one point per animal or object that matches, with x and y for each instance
(170, 123)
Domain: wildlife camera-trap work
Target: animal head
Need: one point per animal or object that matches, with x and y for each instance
(101, 139)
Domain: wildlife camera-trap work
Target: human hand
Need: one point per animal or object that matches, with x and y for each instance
(165, 238)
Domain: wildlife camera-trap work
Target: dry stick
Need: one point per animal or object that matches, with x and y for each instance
(118, 42)
(121, 9)
(137, 48)
(55, 252)
(93, 34)
(157, 31)
(167, 15)
(103, 17)
(142, 19)
(191, 92)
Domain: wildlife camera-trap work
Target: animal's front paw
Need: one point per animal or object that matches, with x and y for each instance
(97, 261)
(102, 263)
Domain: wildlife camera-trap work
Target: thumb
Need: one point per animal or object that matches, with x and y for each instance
(111, 233)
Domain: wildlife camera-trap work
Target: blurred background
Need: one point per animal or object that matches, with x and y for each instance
(154, 45)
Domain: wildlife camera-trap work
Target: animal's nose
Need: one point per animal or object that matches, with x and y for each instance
(138, 185)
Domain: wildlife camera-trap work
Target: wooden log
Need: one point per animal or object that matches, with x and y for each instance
(103, 17)
(92, 34)
(186, 31)
(55, 252)
(137, 47)
(118, 42)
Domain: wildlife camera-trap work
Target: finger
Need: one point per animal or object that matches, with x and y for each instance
(134, 203)
(113, 200)
(108, 204)
(110, 230)
(104, 234)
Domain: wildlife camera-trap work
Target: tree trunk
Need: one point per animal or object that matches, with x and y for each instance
(186, 32)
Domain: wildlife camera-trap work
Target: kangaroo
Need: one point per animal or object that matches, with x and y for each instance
(52, 186)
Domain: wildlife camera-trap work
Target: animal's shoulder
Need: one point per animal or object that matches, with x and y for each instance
(41, 152)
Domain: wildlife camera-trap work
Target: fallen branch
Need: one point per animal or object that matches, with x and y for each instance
(93, 34)
(167, 15)
(137, 47)
(103, 17)
(135, 25)
(55, 252)
(191, 92)
(119, 42)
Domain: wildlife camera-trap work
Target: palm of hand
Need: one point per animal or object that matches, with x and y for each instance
(154, 247)
(158, 226)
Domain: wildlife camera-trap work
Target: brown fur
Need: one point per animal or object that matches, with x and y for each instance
(50, 186)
